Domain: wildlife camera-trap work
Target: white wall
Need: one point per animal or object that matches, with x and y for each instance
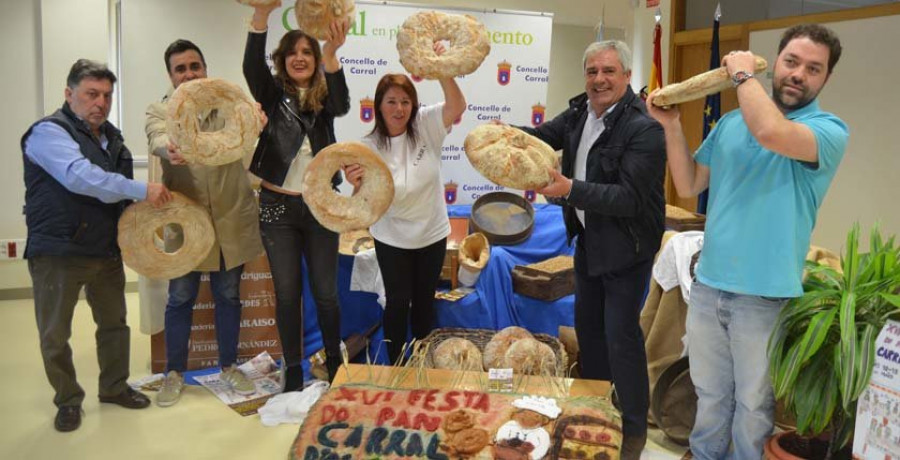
(862, 92)
(20, 32)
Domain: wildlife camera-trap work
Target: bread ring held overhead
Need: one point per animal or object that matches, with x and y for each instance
(192, 102)
(259, 2)
(138, 228)
(314, 17)
(468, 39)
(341, 213)
(699, 86)
(510, 157)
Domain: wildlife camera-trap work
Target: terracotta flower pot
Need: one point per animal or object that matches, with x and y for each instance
(773, 450)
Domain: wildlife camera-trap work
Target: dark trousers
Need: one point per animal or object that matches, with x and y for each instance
(57, 282)
(410, 279)
(289, 231)
(226, 287)
(611, 344)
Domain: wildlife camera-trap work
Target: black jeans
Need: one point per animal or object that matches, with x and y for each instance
(410, 279)
(290, 231)
(611, 343)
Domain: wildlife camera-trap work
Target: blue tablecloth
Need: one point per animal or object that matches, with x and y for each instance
(493, 305)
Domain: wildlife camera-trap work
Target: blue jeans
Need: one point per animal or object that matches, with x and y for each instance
(225, 285)
(727, 339)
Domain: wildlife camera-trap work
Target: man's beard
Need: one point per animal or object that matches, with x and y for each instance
(778, 96)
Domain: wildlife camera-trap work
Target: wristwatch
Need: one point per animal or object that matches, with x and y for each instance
(739, 77)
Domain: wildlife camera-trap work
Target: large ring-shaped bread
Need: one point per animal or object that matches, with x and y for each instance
(192, 101)
(468, 39)
(340, 213)
(510, 157)
(699, 86)
(138, 234)
(314, 17)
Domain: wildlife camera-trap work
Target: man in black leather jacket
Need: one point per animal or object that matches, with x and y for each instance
(611, 189)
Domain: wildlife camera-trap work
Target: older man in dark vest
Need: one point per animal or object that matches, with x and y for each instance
(78, 179)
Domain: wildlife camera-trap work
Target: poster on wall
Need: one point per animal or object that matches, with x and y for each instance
(877, 434)
(510, 85)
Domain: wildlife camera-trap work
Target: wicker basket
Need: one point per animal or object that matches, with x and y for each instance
(682, 220)
(480, 337)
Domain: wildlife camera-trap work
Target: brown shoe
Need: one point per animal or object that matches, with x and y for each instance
(68, 418)
(129, 398)
(632, 446)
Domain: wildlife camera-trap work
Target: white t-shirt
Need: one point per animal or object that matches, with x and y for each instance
(418, 215)
(293, 180)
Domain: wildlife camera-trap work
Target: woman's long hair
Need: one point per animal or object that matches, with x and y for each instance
(403, 83)
(318, 88)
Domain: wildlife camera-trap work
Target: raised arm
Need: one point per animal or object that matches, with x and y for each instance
(256, 70)
(764, 119)
(690, 178)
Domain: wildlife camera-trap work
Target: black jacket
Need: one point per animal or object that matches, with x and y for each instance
(622, 197)
(62, 223)
(288, 126)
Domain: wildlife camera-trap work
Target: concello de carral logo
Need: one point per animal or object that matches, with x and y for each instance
(366, 110)
(450, 192)
(504, 73)
(537, 114)
(530, 195)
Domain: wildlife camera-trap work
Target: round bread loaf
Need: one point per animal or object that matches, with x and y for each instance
(341, 213)
(510, 157)
(314, 17)
(529, 356)
(468, 38)
(495, 350)
(458, 354)
(190, 104)
(138, 237)
(699, 86)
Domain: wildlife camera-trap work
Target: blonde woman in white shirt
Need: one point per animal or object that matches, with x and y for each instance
(411, 237)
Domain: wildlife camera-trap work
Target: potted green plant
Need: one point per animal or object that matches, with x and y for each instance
(823, 347)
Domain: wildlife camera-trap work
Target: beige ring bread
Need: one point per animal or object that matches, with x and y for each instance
(196, 98)
(495, 350)
(342, 213)
(699, 86)
(458, 354)
(314, 17)
(530, 356)
(468, 39)
(138, 231)
(510, 157)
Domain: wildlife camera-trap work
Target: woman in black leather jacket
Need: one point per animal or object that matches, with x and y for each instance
(301, 100)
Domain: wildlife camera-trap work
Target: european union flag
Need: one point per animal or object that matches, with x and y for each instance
(712, 110)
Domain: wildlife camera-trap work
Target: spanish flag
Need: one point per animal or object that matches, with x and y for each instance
(655, 70)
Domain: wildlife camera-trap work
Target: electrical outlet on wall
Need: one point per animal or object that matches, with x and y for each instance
(12, 249)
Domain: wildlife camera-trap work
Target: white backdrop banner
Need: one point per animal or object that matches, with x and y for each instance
(510, 85)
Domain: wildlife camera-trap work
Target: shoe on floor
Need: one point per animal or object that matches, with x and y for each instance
(68, 418)
(632, 446)
(129, 399)
(170, 392)
(239, 382)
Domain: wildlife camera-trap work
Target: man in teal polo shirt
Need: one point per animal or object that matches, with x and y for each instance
(768, 166)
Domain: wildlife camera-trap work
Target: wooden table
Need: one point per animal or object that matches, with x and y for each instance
(465, 380)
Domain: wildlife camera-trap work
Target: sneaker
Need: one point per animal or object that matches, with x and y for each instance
(239, 382)
(170, 392)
